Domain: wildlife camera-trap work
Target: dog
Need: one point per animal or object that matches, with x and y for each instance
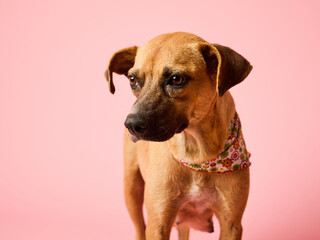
(184, 152)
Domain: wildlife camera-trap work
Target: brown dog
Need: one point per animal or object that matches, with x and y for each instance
(185, 118)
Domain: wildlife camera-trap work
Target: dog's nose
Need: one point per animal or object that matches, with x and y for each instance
(135, 125)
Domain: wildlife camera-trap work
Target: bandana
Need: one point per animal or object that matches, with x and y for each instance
(234, 157)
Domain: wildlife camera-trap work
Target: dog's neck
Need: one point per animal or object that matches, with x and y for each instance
(204, 139)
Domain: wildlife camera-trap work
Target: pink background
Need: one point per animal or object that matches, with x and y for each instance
(61, 130)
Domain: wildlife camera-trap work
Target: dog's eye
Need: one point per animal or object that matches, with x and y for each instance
(177, 80)
(132, 80)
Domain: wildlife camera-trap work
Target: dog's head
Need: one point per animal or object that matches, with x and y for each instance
(176, 78)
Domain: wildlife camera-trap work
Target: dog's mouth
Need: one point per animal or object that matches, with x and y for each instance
(182, 127)
(158, 136)
(161, 135)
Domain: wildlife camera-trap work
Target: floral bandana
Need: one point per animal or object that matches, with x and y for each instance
(234, 157)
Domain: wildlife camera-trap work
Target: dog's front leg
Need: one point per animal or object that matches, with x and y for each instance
(162, 206)
(133, 188)
(231, 198)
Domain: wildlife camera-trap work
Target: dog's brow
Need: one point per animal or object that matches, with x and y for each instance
(167, 71)
(134, 72)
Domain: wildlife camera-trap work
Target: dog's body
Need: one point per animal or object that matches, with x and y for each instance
(183, 110)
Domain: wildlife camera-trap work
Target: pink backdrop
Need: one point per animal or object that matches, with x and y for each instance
(61, 130)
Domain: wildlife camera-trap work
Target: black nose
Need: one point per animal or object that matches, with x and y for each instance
(134, 124)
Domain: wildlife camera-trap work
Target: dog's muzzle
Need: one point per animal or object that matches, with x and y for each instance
(151, 129)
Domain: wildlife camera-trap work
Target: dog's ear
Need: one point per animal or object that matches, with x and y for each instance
(120, 63)
(229, 66)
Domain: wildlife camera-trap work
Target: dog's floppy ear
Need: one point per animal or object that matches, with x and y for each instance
(120, 63)
(229, 66)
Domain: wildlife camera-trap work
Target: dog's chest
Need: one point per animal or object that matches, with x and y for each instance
(197, 208)
(202, 197)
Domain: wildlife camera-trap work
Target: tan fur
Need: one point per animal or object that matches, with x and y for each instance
(173, 194)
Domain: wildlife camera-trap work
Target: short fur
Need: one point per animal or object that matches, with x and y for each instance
(187, 121)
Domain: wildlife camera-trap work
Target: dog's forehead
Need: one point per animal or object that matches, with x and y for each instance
(167, 50)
